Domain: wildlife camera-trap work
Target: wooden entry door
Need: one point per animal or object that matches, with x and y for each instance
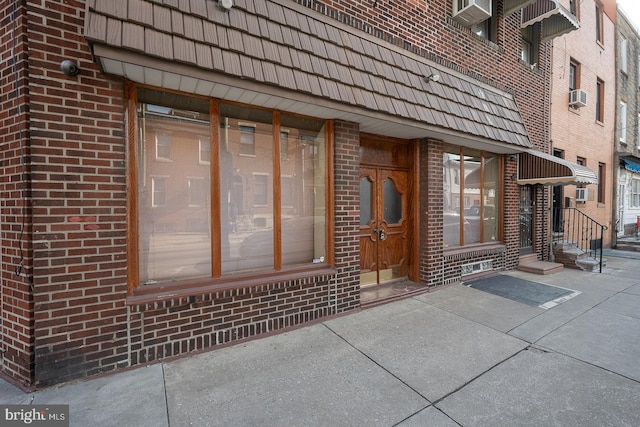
(384, 243)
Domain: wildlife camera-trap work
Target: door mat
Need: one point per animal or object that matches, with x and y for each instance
(524, 291)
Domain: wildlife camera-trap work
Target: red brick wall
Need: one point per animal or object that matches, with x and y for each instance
(79, 204)
(76, 321)
(16, 309)
(80, 321)
(432, 207)
(347, 213)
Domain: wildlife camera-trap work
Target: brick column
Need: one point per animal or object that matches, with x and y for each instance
(347, 214)
(431, 211)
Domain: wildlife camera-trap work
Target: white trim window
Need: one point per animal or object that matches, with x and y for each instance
(159, 186)
(624, 67)
(247, 139)
(623, 122)
(634, 193)
(204, 156)
(163, 146)
(196, 196)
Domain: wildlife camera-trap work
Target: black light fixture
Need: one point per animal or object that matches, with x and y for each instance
(69, 68)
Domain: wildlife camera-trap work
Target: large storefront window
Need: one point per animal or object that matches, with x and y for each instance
(471, 197)
(248, 209)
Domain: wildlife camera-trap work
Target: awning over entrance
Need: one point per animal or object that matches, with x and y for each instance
(536, 167)
(512, 6)
(556, 19)
(281, 55)
(631, 165)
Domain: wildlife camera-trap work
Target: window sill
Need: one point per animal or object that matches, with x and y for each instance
(168, 291)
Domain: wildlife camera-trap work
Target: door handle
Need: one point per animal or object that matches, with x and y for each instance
(382, 235)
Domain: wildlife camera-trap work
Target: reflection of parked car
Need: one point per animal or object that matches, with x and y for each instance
(451, 228)
(472, 214)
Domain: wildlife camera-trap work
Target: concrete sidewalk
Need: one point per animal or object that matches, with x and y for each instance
(457, 356)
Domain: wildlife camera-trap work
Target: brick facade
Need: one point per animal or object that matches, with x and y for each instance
(65, 223)
(15, 188)
(627, 210)
(575, 131)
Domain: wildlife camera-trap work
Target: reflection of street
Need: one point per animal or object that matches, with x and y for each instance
(261, 253)
(178, 255)
(174, 256)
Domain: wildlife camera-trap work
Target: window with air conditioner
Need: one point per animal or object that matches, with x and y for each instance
(470, 12)
(581, 194)
(577, 98)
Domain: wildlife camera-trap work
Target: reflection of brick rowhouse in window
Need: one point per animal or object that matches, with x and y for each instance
(205, 181)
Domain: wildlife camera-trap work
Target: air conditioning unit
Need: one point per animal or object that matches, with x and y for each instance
(469, 12)
(578, 98)
(581, 194)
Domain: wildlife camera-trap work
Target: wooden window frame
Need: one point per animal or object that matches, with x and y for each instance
(574, 74)
(600, 101)
(601, 182)
(460, 202)
(141, 294)
(599, 21)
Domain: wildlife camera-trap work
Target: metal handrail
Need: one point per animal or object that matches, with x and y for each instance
(581, 231)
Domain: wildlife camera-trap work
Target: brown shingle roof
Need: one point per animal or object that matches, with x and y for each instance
(291, 48)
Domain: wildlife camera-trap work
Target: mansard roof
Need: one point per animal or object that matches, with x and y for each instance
(280, 48)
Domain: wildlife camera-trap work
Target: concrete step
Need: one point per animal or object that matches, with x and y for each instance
(626, 246)
(590, 264)
(528, 258)
(541, 267)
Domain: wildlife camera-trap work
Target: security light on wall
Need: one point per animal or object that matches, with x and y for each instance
(225, 4)
(432, 78)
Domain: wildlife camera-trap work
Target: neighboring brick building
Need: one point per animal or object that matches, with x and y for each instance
(627, 137)
(582, 132)
(212, 175)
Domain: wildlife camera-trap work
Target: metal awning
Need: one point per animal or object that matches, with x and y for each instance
(512, 6)
(556, 19)
(536, 167)
(631, 165)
